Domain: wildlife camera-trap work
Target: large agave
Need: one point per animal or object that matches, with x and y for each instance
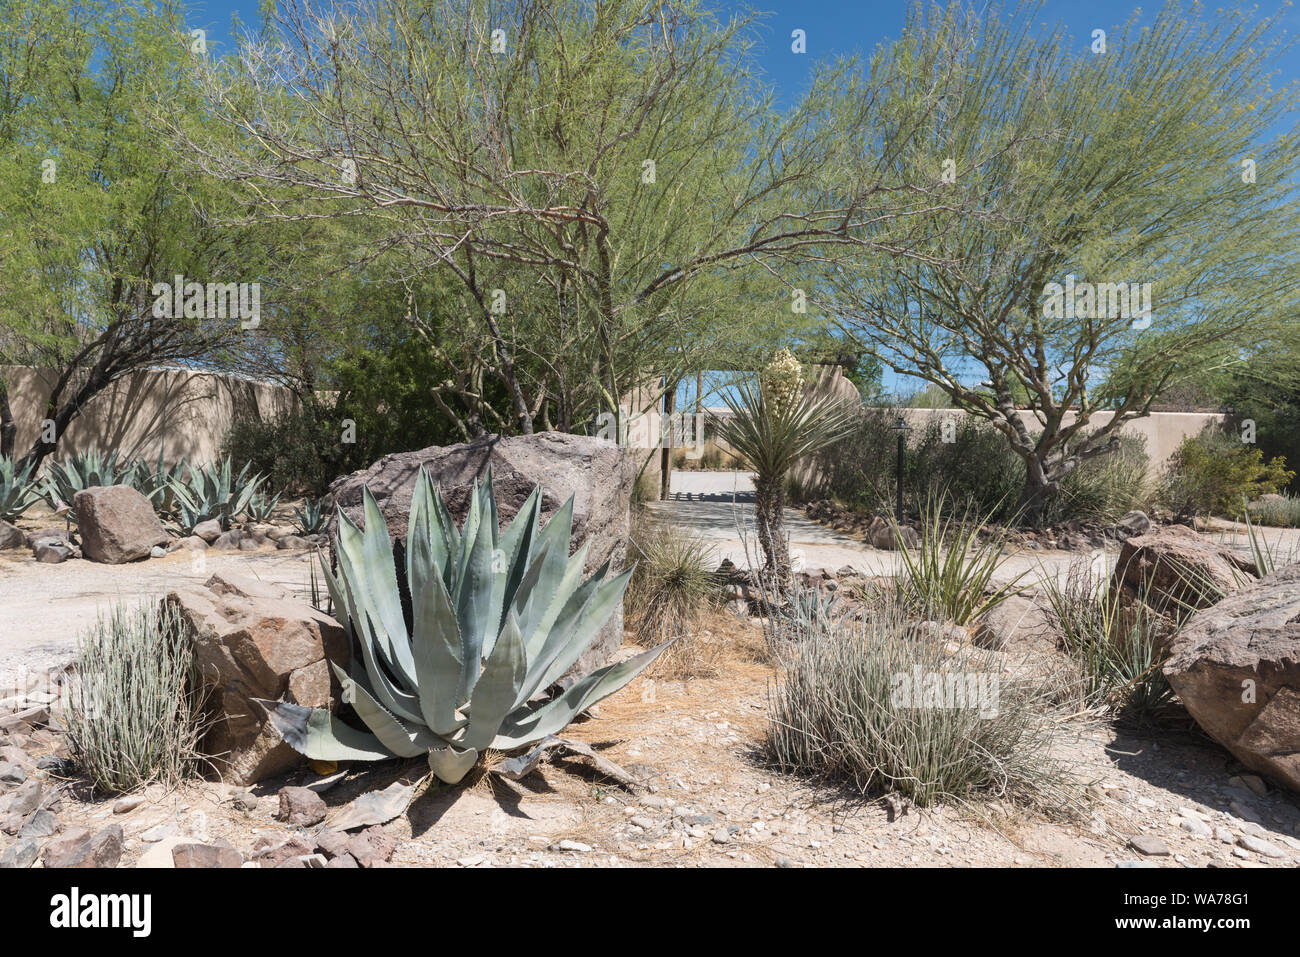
(17, 490)
(68, 477)
(493, 620)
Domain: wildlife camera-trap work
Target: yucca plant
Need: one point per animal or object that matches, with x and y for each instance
(310, 518)
(66, 478)
(948, 574)
(262, 506)
(18, 492)
(213, 492)
(494, 619)
(771, 427)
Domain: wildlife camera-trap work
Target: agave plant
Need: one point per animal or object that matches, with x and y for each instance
(494, 619)
(157, 483)
(311, 518)
(18, 492)
(213, 492)
(65, 479)
(262, 506)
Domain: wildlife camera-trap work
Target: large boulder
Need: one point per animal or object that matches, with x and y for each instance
(596, 472)
(253, 639)
(1236, 668)
(1173, 568)
(117, 524)
(1018, 625)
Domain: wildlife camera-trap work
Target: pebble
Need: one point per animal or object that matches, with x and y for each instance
(720, 836)
(576, 847)
(642, 822)
(1224, 835)
(1195, 826)
(129, 803)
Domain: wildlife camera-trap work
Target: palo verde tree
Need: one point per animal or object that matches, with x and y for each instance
(608, 184)
(94, 212)
(1134, 171)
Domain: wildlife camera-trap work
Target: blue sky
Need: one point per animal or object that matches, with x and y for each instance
(834, 28)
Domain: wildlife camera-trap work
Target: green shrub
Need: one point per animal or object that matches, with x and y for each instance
(298, 452)
(1214, 472)
(1119, 644)
(672, 581)
(1279, 510)
(872, 705)
(1105, 487)
(132, 712)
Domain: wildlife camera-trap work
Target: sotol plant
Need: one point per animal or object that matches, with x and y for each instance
(494, 619)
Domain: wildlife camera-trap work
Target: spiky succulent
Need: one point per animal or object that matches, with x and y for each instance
(310, 518)
(494, 619)
(214, 491)
(66, 478)
(262, 506)
(18, 491)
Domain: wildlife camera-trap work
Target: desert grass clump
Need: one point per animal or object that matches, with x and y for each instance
(133, 711)
(672, 585)
(1119, 642)
(948, 574)
(875, 707)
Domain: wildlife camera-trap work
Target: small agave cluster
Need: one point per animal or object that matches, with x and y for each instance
(494, 619)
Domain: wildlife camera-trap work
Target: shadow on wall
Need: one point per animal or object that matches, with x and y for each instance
(182, 413)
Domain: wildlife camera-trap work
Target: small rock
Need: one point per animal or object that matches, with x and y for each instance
(332, 843)
(1224, 835)
(128, 803)
(294, 847)
(720, 836)
(1195, 826)
(159, 832)
(1149, 845)
(11, 823)
(576, 847)
(245, 801)
(642, 822)
(20, 855)
(372, 846)
(206, 856)
(301, 807)
(11, 773)
(40, 824)
(343, 860)
(1260, 846)
(25, 799)
(80, 848)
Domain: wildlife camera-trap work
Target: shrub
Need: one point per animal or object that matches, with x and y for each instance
(874, 706)
(65, 478)
(214, 491)
(1212, 473)
(948, 574)
(1105, 487)
(1119, 644)
(133, 714)
(672, 581)
(1280, 511)
(298, 452)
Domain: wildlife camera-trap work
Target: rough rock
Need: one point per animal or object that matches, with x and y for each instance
(254, 640)
(22, 854)
(278, 854)
(372, 846)
(595, 471)
(11, 537)
(301, 807)
(40, 824)
(49, 552)
(1236, 668)
(209, 531)
(206, 856)
(227, 541)
(117, 524)
(80, 848)
(332, 843)
(1150, 845)
(292, 541)
(25, 799)
(881, 534)
(1017, 624)
(1174, 567)
(1132, 524)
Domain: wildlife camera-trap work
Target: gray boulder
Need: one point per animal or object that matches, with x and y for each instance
(1174, 568)
(596, 472)
(1236, 668)
(10, 537)
(117, 524)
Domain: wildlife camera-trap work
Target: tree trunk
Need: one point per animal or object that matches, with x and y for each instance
(8, 428)
(769, 509)
(1037, 492)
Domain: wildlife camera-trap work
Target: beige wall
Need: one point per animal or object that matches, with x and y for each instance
(182, 413)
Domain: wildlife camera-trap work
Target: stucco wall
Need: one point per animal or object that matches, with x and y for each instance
(183, 414)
